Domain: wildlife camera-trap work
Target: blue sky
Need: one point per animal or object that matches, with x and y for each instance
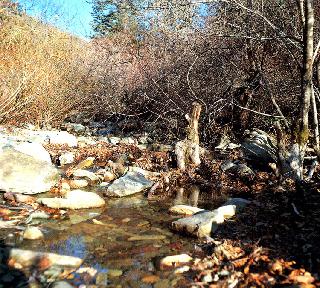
(73, 16)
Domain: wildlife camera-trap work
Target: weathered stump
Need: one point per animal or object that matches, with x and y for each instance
(188, 150)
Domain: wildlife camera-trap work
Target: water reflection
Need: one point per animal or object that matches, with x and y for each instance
(188, 196)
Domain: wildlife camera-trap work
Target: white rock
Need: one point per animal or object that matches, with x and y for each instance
(80, 173)
(205, 223)
(108, 176)
(36, 150)
(32, 233)
(184, 209)
(27, 258)
(129, 184)
(75, 199)
(175, 260)
(78, 183)
(21, 173)
(66, 158)
(227, 211)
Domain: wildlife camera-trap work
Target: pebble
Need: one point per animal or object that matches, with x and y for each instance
(108, 176)
(207, 278)
(32, 233)
(78, 183)
(61, 284)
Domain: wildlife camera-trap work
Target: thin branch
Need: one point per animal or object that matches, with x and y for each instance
(257, 112)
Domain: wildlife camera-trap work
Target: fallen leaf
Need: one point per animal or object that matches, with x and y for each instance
(150, 279)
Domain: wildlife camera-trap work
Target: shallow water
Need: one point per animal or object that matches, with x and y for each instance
(107, 245)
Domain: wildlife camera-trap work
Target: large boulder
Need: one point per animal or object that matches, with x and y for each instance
(33, 149)
(22, 173)
(260, 147)
(130, 183)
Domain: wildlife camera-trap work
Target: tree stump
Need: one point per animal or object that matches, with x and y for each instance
(188, 150)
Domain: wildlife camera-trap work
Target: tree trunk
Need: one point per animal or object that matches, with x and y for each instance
(188, 150)
(301, 133)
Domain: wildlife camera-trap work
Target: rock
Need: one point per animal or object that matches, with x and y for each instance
(20, 198)
(260, 148)
(175, 261)
(61, 284)
(207, 278)
(52, 137)
(129, 184)
(145, 173)
(87, 163)
(78, 129)
(66, 158)
(32, 233)
(114, 140)
(108, 176)
(33, 149)
(28, 258)
(128, 141)
(78, 183)
(85, 174)
(225, 143)
(96, 125)
(75, 199)
(239, 203)
(200, 225)
(227, 211)
(21, 173)
(205, 223)
(102, 279)
(182, 269)
(184, 209)
(228, 165)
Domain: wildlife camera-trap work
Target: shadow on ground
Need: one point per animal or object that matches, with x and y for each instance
(10, 277)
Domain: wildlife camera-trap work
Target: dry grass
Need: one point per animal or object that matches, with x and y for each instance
(42, 72)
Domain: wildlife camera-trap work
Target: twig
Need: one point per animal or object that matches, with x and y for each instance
(257, 112)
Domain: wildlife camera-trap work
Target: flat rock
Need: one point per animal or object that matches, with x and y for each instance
(75, 199)
(28, 258)
(22, 173)
(80, 173)
(130, 183)
(175, 260)
(184, 209)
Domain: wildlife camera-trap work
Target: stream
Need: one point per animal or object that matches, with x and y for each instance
(123, 241)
